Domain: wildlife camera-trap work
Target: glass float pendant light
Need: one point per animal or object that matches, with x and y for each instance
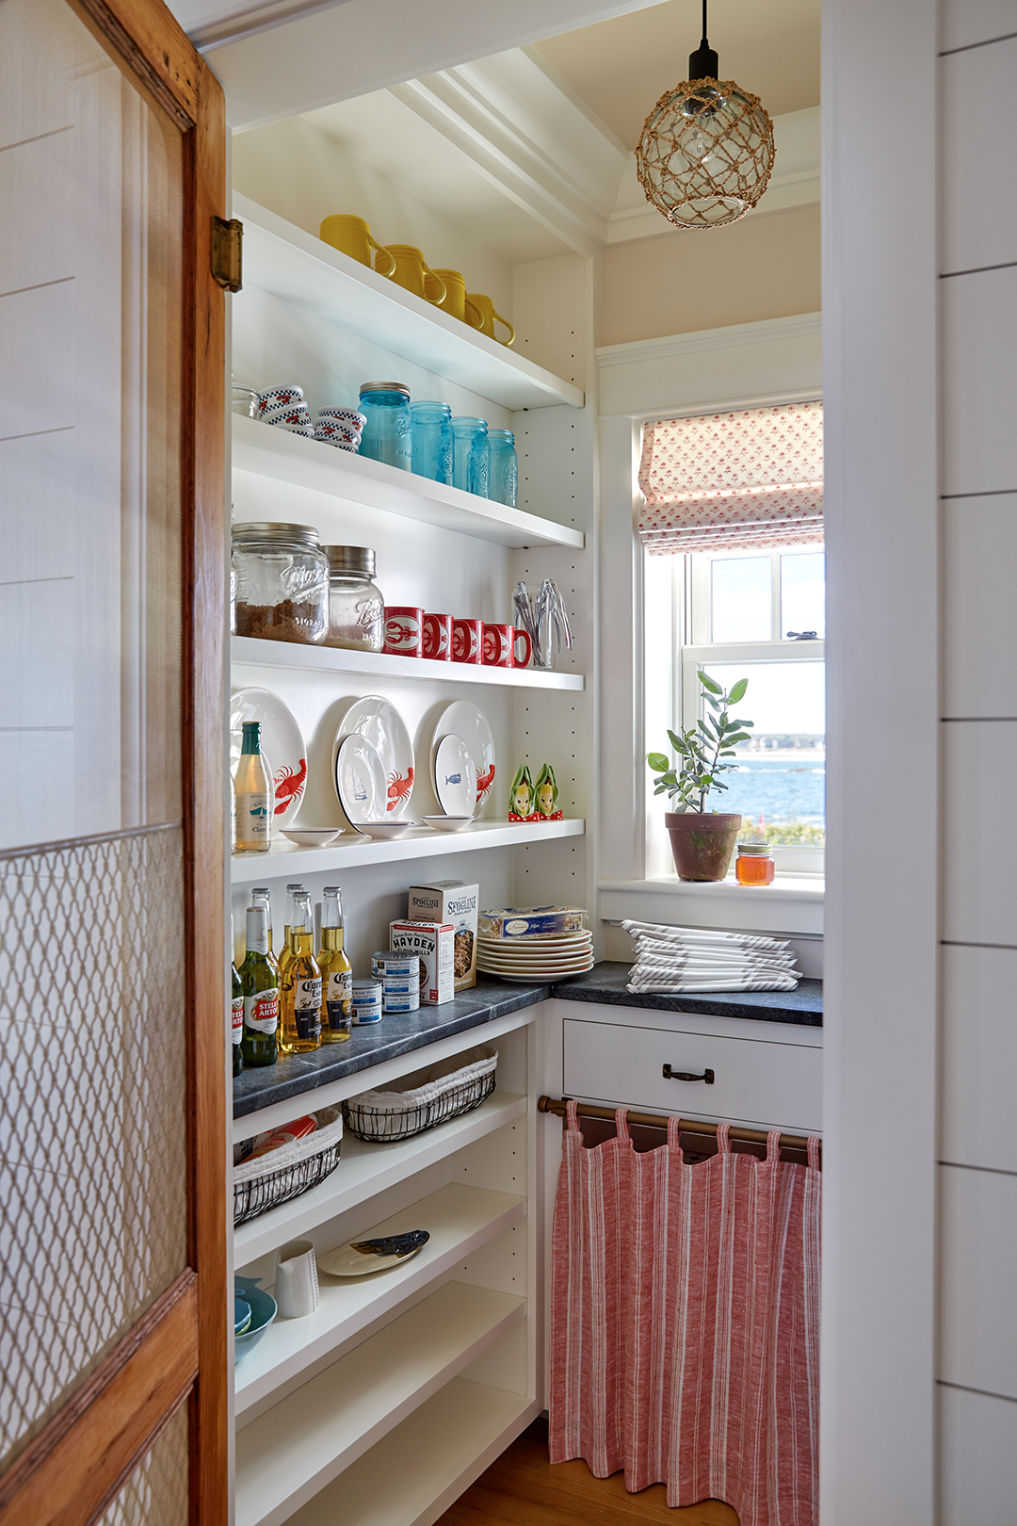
(706, 151)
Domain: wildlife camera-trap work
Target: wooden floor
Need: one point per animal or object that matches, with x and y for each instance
(523, 1489)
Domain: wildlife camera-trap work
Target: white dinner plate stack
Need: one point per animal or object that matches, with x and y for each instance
(536, 958)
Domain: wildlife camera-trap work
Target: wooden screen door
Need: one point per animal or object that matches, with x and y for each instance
(113, 1272)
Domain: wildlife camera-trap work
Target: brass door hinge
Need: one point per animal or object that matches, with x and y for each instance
(227, 256)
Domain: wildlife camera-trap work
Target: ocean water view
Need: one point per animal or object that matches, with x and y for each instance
(790, 786)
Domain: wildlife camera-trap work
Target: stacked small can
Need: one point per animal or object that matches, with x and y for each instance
(399, 974)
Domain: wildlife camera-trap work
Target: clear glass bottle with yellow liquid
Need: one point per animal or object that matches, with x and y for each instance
(300, 983)
(284, 948)
(336, 970)
(252, 794)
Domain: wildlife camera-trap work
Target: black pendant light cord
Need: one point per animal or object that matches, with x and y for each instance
(703, 63)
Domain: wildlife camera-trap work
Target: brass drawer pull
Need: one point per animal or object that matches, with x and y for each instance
(687, 1075)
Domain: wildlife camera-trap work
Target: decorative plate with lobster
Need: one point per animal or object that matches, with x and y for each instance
(468, 721)
(378, 721)
(281, 743)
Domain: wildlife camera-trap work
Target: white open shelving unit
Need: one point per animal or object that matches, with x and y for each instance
(295, 459)
(353, 850)
(396, 1393)
(252, 651)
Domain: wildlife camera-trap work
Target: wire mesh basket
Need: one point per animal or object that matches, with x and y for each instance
(424, 1099)
(261, 1184)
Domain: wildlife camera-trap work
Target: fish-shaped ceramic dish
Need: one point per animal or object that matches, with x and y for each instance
(361, 1257)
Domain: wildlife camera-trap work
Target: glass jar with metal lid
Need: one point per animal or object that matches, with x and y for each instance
(356, 608)
(281, 583)
(387, 433)
(754, 864)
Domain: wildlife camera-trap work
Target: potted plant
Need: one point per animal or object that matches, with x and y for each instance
(702, 841)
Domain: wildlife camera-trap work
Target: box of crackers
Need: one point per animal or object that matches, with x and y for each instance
(456, 902)
(432, 942)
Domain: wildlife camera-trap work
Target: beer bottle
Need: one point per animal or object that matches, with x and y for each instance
(336, 970)
(236, 1010)
(262, 896)
(300, 984)
(259, 978)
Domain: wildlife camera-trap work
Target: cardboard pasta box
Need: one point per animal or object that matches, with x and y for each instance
(456, 902)
(433, 943)
(532, 921)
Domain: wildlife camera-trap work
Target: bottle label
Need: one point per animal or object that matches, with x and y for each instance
(307, 1008)
(238, 1019)
(261, 1011)
(253, 818)
(339, 991)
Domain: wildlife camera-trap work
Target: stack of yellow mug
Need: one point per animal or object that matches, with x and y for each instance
(406, 265)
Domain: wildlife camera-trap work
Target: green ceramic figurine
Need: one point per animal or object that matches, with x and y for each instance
(547, 795)
(521, 795)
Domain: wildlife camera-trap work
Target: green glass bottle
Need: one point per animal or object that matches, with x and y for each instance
(259, 978)
(236, 1011)
(262, 896)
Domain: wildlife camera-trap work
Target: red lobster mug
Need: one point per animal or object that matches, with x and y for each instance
(404, 627)
(499, 646)
(467, 636)
(438, 637)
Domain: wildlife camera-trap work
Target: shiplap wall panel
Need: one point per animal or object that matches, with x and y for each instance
(977, 1459)
(36, 329)
(979, 610)
(38, 803)
(43, 694)
(978, 344)
(979, 116)
(979, 904)
(978, 1057)
(978, 1275)
(964, 23)
(37, 185)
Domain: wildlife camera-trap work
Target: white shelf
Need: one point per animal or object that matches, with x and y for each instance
(413, 1475)
(366, 1169)
(256, 651)
(459, 1219)
(352, 851)
(291, 458)
(281, 258)
(292, 1451)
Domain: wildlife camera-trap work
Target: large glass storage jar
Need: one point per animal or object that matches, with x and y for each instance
(281, 583)
(356, 608)
(388, 431)
(432, 441)
(504, 469)
(470, 463)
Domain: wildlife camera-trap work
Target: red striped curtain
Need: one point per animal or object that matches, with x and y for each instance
(749, 480)
(685, 1322)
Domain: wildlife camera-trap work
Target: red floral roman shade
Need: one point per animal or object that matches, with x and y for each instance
(733, 481)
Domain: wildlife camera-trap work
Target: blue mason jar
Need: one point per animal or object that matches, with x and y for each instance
(470, 469)
(432, 441)
(504, 472)
(387, 433)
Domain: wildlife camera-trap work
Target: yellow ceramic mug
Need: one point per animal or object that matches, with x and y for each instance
(456, 303)
(352, 236)
(414, 273)
(483, 308)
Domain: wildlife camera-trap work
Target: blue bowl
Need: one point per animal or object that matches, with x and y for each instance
(241, 1315)
(263, 1310)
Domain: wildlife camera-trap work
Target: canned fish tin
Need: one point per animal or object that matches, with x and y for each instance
(392, 1003)
(399, 985)
(388, 962)
(366, 1001)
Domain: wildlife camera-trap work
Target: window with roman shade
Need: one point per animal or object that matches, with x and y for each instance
(733, 481)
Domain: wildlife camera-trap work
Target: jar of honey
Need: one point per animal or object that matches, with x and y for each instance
(754, 864)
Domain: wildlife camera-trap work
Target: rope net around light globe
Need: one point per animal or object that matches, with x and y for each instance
(706, 152)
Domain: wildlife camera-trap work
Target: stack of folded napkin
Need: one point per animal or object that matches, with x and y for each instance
(691, 959)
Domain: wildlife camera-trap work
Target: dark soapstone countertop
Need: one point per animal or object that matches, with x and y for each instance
(606, 983)
(398, 1033)
(300, 1074)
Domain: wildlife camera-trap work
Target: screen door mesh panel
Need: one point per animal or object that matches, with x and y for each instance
(156, 1494)
(92, 1107)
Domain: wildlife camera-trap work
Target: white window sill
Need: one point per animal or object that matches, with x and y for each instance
(792, 904)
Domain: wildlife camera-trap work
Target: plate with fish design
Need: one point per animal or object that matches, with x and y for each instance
(466, 720)
(378, 721)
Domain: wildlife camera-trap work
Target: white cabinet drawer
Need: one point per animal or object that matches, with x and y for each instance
(755, 1082)
(977, 1457)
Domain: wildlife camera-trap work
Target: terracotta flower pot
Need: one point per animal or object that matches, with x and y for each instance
(702, 843)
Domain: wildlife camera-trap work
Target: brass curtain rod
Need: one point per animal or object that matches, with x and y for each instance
(692, 1126)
